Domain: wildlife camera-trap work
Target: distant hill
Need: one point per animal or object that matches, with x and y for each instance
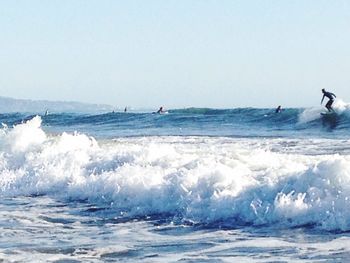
(8, 105)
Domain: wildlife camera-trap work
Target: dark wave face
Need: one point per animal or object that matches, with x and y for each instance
(240, 122)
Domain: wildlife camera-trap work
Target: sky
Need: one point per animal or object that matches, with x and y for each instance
(176, 53)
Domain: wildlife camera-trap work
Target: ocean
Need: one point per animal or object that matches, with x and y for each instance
(192, 185)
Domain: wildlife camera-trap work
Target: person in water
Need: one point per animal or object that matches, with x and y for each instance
(160, 110)
(331, 97)
(279, 109)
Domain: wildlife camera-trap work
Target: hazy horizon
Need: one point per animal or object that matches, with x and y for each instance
(121, 108)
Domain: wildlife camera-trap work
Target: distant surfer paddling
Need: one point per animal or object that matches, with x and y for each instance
(331, 98)
(278, 109)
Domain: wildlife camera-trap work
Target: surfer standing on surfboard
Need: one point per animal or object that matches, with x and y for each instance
(331, 97)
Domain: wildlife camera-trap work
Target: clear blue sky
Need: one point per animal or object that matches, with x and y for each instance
(176, 53)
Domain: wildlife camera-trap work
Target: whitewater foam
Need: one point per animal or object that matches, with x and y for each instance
(311, 114)
(198, 179)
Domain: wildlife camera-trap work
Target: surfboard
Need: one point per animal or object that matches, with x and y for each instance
(329, 115)
(332, 113)
(160, 113)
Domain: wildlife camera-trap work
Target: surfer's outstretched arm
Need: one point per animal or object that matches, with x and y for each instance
(322, 99)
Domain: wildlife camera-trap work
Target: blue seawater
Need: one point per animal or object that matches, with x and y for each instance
(191, 185)
(241, 122)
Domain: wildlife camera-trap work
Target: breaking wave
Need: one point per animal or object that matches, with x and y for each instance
(203, 180)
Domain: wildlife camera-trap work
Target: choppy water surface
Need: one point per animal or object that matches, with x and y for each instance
(193, 185)
(49, 231)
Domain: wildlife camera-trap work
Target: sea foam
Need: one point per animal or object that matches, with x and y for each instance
(202, 180)
(310, 114)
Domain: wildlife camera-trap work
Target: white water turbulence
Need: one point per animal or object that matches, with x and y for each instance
(311, 114)
(199, 180)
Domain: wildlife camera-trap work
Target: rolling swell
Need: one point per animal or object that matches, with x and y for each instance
(197, 121)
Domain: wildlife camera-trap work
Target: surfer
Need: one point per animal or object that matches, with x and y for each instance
(331, 97)
(160, 110)
(278, 109)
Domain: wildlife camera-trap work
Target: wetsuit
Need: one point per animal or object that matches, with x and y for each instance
(331, 97)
